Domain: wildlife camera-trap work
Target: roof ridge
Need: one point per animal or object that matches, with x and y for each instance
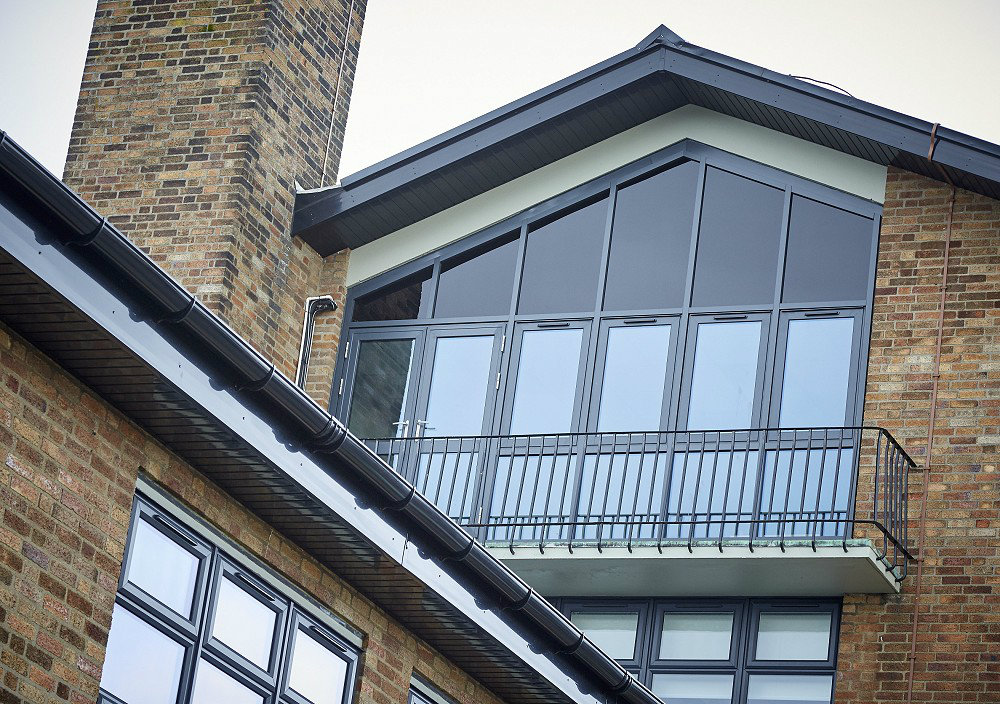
(661, 35)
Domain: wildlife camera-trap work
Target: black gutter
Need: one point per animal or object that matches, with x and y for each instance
(303, 417)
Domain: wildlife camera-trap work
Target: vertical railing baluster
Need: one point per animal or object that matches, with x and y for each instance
(819, 487)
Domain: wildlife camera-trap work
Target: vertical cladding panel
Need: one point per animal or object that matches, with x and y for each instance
(959, 627)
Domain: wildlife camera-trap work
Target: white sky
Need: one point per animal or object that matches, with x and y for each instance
(428, 65)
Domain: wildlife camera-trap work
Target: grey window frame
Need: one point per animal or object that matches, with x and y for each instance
(686, 150)
(194, 634)
(773, 313)
(746, 614)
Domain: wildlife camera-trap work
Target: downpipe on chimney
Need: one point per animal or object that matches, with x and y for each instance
(314, 306)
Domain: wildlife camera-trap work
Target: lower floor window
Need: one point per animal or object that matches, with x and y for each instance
(717, 651)
(193, 626)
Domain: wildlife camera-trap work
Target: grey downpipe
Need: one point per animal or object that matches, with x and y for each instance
(249, 371)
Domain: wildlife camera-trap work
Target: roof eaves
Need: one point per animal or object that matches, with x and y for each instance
(893, 137)
(300, 417)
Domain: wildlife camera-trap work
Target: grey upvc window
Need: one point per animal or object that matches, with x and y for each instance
(691, 291)
(719, 248)
(190, 625)
(722, 651)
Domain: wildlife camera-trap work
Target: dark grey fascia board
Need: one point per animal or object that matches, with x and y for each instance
(314, 208)
(273, 416)
(903, 137)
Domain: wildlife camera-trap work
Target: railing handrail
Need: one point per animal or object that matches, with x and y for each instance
(508, 436)
(771, 483)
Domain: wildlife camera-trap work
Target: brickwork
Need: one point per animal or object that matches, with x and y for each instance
(67, 481)
(326, 333)
(195, 120)
(958, 643)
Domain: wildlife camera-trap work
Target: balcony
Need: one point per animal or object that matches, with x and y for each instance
(812, 511)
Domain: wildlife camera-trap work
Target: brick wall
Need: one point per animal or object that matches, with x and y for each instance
(195, 119)
(958, 642)
(67, 480)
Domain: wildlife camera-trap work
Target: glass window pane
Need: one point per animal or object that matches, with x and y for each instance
(162, 568)
(829, 254)
(696, 636)
(479, 282)
(737, 258)
(725, 376)
(635, 373)
(561, 262)
(790, 689)
(317, 673)
(614, 633)
(793, 636)
(817, 373)
(546, 381)
(693, 689)
(244, 623)
(213, 686)
(142, 665)
(650, 241)
(404, 300)
(381, 388)
(460, 382)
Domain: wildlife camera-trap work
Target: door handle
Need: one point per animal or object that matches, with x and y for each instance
(405, 424)
(422, 425)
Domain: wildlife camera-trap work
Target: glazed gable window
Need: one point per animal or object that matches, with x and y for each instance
(730, 292)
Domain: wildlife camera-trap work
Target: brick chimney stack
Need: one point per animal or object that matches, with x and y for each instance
(195, 120)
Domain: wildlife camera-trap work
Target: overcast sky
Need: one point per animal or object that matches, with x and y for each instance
(428, 65)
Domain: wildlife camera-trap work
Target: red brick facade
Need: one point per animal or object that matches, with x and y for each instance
(67, 480)
(958, 639)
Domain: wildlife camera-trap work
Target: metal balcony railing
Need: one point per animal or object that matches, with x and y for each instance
(819, 487)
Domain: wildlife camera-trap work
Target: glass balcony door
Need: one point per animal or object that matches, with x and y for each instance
(532, 477)
(810, 457)
(416, 396)
(455, 406)
(625, 454)
(715, 466)
(380, 396)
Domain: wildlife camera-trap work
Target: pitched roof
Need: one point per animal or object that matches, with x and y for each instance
(98, 306)
(660, 74)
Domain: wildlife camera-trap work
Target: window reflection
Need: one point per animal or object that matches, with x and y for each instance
(817, 373)
(244, 624)
(141, 665)
(693, 689)
(790, 689)
(724, 379)
(162, 568)
(547, 380)
(460, 382)
(614, 633)
(687, 636)
(562, 260)
(213, 686)
(381, 388)
(635, 374)
(317, 673)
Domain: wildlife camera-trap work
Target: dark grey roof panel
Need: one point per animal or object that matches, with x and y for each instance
(658, 75)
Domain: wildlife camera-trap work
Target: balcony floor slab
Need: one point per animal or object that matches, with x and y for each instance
(704, 570)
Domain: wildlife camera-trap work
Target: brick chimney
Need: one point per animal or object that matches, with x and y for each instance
(195, 120)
